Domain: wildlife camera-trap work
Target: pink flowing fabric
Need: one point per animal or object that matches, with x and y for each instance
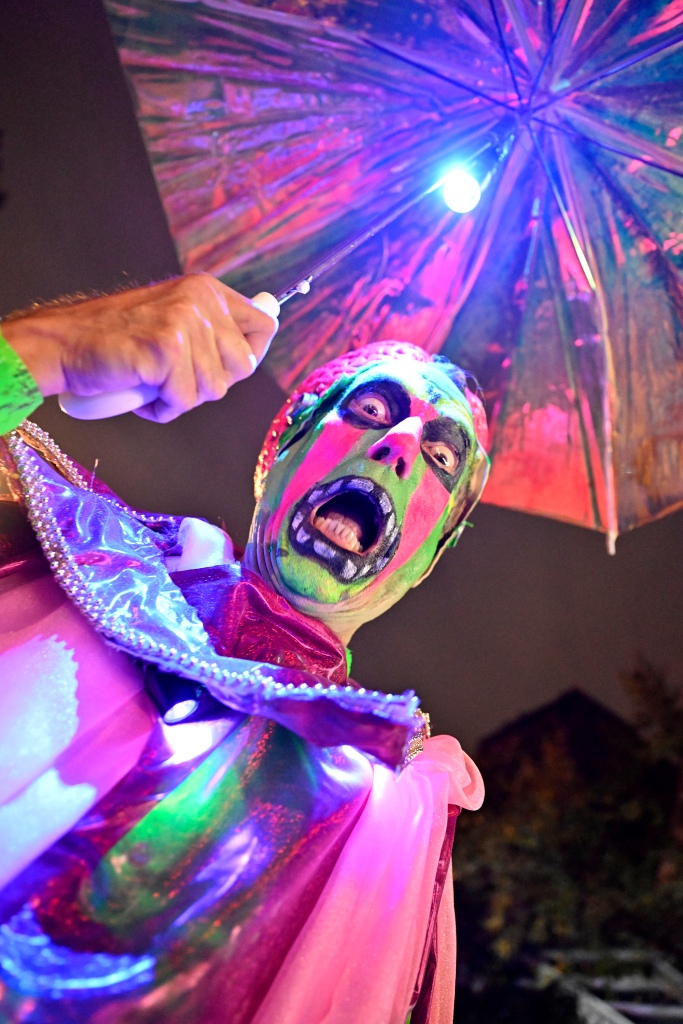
(358, 955)
(74, 718)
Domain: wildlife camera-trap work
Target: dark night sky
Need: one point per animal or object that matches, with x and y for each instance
(523, 610)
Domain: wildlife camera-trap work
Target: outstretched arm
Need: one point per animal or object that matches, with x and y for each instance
(191, 337)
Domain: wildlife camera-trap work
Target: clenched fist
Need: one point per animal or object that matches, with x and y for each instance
(191, 337)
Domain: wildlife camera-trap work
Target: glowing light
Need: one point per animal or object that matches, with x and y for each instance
(180, 711)
(461, 192)
(194, 738)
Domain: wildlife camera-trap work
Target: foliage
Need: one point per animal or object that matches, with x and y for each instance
(579, 841)
(506, 1003)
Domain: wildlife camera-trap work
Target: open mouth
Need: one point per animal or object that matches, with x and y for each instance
(349, 525)
(350, 520)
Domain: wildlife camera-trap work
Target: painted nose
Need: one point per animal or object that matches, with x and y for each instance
(399, 447)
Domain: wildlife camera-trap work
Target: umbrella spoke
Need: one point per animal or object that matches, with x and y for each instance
(490, 223)
(504, 48)
(563, 318)
(564, 322)
(581, 256)
(614, 69)
(569, 5)
(573, 133)
(514, 14)
(430, 69)
(602, 133)
(523, 290)
(591, 45)
(577, 212)
(641, 307)
(667, 249)
(571, 23)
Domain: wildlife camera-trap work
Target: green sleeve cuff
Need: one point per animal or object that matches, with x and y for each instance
(19, 394)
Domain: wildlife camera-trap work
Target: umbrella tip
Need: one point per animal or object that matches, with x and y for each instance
(611, 539)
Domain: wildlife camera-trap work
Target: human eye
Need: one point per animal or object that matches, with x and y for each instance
(376, 405)
(443, 454)
(445, 445)
(372, 408)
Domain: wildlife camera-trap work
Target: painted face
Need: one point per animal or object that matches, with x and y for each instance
(355, 504)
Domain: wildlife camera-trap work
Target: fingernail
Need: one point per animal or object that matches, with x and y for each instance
(253, 360)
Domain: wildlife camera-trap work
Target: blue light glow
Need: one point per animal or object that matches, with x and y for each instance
(180, 711)
(461, 192)
(33, 964)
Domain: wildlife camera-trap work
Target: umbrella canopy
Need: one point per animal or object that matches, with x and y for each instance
(277, 129)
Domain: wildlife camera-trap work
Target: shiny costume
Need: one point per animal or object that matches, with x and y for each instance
(269, 866)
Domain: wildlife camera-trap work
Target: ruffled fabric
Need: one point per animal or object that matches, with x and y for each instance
(357, 957)
(244, 618)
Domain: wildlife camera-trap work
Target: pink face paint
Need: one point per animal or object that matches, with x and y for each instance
(334, 444)
(424, 511)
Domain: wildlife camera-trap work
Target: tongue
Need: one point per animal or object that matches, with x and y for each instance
(340, 529)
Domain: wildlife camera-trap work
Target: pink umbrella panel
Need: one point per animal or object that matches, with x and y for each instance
(277, 130)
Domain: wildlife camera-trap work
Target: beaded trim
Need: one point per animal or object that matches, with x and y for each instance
(49, 533)
(416, 745)
(254, 681)
(34, 436)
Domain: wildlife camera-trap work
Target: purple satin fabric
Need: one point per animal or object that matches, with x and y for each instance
(246, 619)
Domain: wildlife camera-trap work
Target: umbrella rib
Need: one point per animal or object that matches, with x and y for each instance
(561, 315)
(506, 52)
(578, 248)
(566, 345)
(548, 53)
(574, 133)
(382, 48)
(613, 70)
(624, 200)
(344, 249)
(530, 263)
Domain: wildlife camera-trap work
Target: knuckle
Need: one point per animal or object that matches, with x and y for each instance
(181, 310)
(216, 389)
(172, 343)
(198, 286)
(263, 321)
(243, 366)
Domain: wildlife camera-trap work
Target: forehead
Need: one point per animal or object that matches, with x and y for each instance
(423, 381)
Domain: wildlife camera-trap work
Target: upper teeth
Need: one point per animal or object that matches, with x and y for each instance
(344, 532)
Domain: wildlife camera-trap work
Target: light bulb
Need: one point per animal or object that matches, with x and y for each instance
(461, 192)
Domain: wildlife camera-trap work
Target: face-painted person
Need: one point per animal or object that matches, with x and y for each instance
(275, 857)
(374, 474)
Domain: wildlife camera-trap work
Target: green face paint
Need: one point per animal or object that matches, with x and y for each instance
(355, 505)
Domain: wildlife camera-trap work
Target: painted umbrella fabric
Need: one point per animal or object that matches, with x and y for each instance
(277, 129)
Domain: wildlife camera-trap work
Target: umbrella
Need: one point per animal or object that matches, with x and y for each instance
(277, 129)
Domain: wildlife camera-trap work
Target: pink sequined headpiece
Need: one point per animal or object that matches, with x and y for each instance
(320, 380)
